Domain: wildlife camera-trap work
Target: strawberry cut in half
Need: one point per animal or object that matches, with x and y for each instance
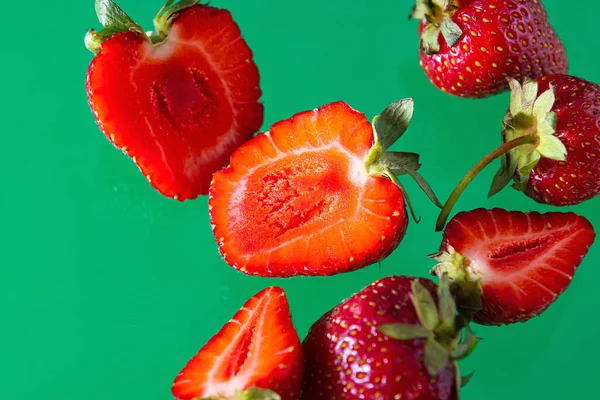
(178, 101)
(510, 266)
(257, 355)
(316, 195)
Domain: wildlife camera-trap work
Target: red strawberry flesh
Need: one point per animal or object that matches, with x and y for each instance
(298, 200)
(179, 107)
(258, 347)
(519, 263)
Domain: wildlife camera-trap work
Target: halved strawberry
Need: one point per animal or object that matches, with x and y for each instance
(510, 266)
(256, 355)
(316, 195)
(178, 101)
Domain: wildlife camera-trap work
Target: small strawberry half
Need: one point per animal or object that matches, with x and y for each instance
(469, 47)
(551, 143)
(510, 266)
(178, 101)
(257, 355)
(398, 338)
(316, 195)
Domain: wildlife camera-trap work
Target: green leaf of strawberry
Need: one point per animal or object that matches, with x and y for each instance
(112, 17)
(404, 331)
(164, 18)
(391, 124)
(114, 20)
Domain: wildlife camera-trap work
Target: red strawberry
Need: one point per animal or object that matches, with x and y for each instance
(177, 101)
(255, 354)
(551, 143)
(316, 195)
(509, 266)
(347, 355)
(469, 47)
(576, 117)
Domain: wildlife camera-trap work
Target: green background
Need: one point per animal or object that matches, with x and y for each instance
(107, 288)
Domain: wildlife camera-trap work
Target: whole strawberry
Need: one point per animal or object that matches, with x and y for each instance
(551, 143)
(469, 47)
(178, 101)
(348, 355)
(510, 266)
(572, 108)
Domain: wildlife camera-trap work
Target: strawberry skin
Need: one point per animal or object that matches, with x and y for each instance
(347, 357)
(299, 199)
(497, 39)
(257, 348)
(510, 266)
(178, 107)
(576, 179)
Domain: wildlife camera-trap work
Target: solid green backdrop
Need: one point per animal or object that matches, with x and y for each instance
(108, 288)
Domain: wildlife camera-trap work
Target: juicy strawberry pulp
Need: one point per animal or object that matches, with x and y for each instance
(576, 179)
(258, 347)
(180, 107)
(499, 39)
(348, 358)
(298, 200)
(522, 260)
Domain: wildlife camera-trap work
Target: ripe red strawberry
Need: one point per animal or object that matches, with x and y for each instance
(316, 195)
(575, 114)
(551, 143)
(469, 47)
(510, 266)
(347, 355)
(257, 355)
(178, 101)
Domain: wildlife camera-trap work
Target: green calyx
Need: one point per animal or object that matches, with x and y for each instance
(388, 127)
(437, 17)
(529, 115)
(464, 276)
(115, 20)
(439, 326)
(528, 135)
(248, 394)
(164, 18)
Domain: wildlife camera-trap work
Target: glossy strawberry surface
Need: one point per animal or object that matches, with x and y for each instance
(347, 357)
(499, 39)
(577, 178)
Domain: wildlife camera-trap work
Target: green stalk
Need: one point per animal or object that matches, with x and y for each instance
(477, 168)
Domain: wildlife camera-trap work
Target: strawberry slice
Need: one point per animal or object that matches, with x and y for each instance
(510, 266)
(316, 195)
(178, 101)
(256, 354)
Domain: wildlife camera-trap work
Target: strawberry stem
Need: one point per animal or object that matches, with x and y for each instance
(477, 168)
